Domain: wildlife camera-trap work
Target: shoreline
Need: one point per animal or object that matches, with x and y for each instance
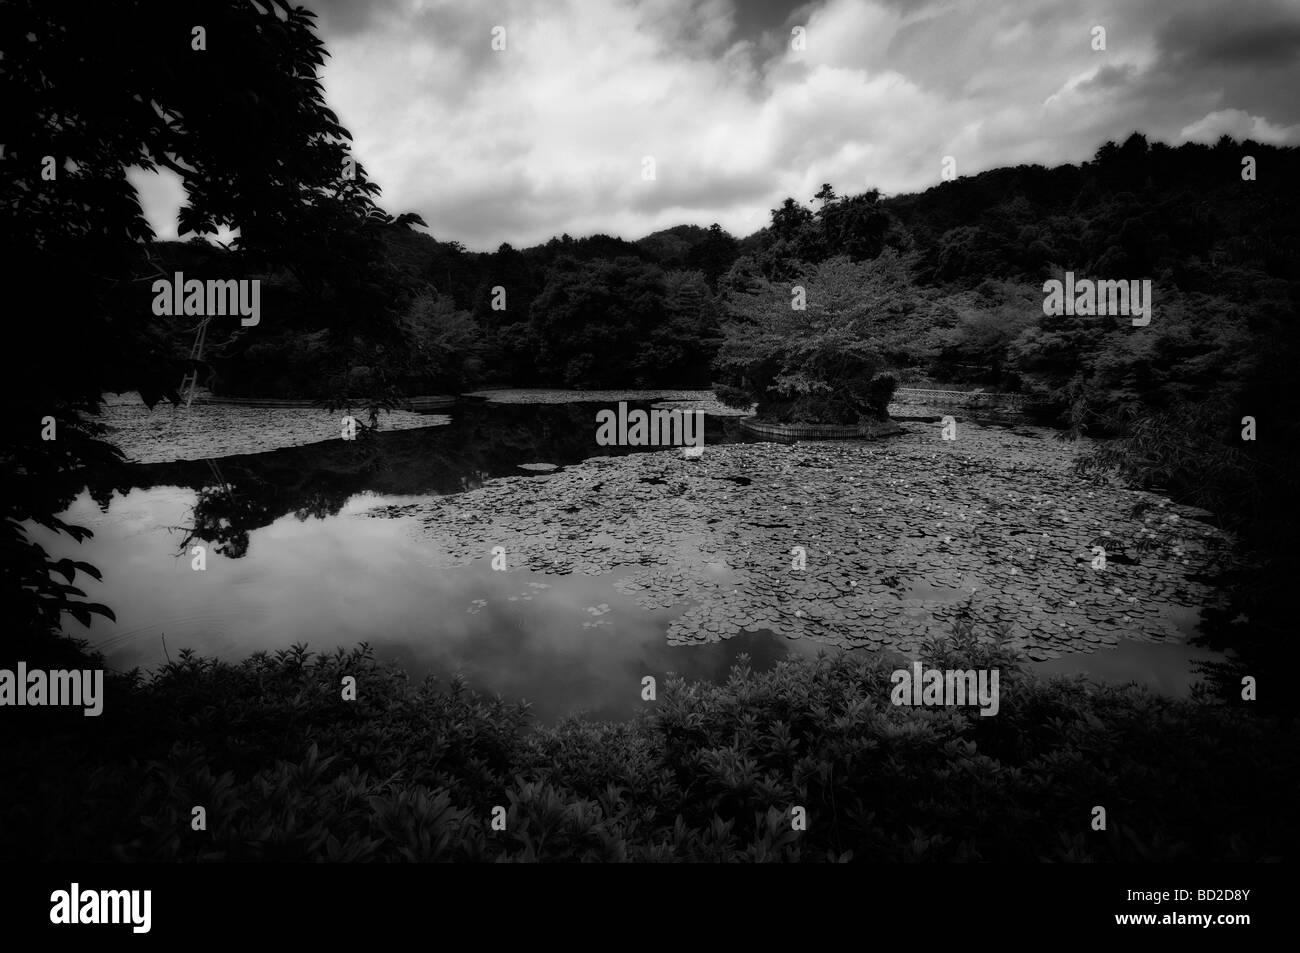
(209, 431)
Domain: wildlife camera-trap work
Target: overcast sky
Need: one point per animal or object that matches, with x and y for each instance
(548, 136)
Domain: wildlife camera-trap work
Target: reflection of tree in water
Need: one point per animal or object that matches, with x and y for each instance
(472, 481)
(219, 518)
(227, 510)
(237, 495)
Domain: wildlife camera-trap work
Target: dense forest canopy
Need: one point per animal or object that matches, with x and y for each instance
(964, 303)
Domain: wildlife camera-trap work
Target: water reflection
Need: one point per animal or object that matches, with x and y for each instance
(339, 581)
(239, 494)
(1169, 668)
(287, 562)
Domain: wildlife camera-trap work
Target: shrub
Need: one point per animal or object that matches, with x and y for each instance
(288, 771)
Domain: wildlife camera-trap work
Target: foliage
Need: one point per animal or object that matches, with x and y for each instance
(289, 771)
(446, 343)
(1194, 453)
(821, 364)
(86, 110)
(619, 323)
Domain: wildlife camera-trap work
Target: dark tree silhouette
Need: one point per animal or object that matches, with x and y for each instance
(223, 93)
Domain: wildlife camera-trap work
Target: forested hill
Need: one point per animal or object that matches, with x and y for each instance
(1177, 214)
(971, 255)
(1136, 209)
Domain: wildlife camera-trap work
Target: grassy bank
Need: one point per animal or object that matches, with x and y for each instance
(288, 770)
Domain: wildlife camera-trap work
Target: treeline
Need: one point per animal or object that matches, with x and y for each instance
(942, 285)
(591, 312)
(951, 280)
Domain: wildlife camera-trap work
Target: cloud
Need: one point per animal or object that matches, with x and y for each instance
(1251, 33)
(338, 18)
(548, 136)
(1110, 76)
(1239, 125)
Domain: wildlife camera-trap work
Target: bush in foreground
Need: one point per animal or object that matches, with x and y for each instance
(287, 770)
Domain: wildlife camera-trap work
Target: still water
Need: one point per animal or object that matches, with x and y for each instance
(289, 561)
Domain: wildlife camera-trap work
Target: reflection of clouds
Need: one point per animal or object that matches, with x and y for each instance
(339, 581)
(390, 598)
(1162, 667)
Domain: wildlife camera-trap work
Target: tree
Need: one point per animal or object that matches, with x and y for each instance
(682, 345)
(714, 254)
(976, 348)
(826, 195)
(95, 90)
(593, 319)
(789, 220)
(446, 344)
(859, 227)
(825, 363)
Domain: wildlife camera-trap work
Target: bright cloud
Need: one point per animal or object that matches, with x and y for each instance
(548, 135)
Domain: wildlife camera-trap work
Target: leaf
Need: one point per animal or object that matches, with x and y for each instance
(89, 570)
(101, 609)
(66, 568)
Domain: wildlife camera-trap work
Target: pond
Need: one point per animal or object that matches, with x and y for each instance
(292, 557)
